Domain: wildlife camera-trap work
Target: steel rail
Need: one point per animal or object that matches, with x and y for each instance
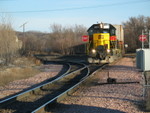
(7, 101)
(65, 92)
(32, 89)
(103, 66)
(87, 76)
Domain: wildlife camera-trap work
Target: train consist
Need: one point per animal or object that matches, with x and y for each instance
(105, 42)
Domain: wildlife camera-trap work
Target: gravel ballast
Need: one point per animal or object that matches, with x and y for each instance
(48, 71)
(124, 96)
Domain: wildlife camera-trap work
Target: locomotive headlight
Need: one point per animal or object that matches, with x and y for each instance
(108, 50)
(93, 51)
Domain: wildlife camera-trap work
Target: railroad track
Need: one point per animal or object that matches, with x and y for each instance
(37, 99)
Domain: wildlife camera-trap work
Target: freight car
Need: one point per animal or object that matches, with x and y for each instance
(103, 44)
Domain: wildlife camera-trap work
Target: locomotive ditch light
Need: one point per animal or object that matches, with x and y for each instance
(108, 50)
(93, 51)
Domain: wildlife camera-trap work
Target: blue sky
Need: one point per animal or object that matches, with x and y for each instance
(40, 14)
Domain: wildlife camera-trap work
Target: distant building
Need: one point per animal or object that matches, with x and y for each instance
(119, 32)
(120, 36)
(19, 43)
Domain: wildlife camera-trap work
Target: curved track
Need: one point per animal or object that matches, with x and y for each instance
(85, 74)
(34, 99)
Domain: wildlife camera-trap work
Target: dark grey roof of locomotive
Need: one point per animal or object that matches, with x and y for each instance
(111, 26)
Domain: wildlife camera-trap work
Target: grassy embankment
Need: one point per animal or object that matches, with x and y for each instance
(22, 68)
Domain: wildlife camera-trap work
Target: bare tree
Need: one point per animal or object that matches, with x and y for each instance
(65, 38)
(61, 40)
(34, 43)
(132, 29)
(8, 41)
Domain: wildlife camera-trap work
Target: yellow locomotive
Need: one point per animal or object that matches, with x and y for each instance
(103, 43)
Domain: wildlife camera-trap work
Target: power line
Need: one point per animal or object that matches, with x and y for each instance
(6, 0)
(78, 8)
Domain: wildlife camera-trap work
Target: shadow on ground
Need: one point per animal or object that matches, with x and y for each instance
(73, 108)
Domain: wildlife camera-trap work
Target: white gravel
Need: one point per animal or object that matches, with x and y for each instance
(123, 97)
(48, 71)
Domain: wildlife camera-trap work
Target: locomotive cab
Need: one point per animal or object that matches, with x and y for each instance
(102, 41)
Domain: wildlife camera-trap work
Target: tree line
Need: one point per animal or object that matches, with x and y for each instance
(64, 40)
(133, 29)
(61, 40)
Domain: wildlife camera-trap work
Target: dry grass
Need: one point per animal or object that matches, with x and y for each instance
(16, 73)
(22, 69)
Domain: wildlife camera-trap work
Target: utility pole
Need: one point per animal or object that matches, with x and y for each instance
(23, 26)
(149, 39)
(23, 46)
(143, 40)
